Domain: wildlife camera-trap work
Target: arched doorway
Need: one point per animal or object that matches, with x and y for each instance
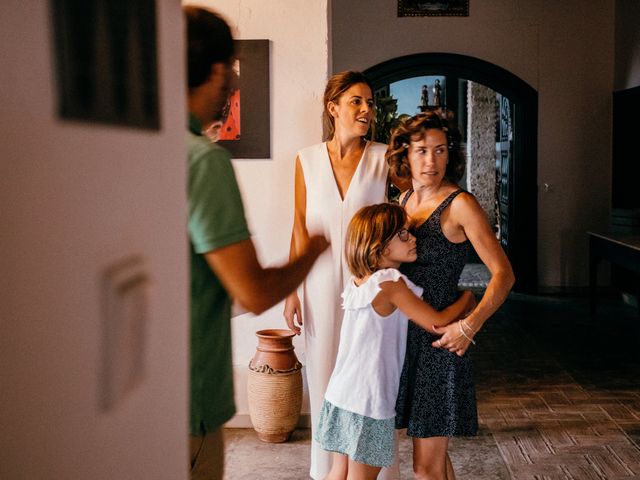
(518, 185)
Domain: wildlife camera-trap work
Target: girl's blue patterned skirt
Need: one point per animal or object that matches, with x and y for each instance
(363, 439)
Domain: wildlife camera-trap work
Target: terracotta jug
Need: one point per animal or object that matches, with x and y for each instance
(274, 386)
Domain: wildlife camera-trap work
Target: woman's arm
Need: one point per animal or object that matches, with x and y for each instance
(466, 212)
(299, 238)
(399, 295)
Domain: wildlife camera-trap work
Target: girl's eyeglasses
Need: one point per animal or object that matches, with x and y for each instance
(403, 234)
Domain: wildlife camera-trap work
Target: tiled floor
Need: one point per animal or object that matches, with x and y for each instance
(558, 398)
(559, 391)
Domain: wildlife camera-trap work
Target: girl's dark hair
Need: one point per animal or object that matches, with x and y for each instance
(414, 129)
(369, 232)
(336, 86)
(209, 41)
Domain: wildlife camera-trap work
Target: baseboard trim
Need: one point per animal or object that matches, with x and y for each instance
(562, 290)
(604, 291)
(244, 421)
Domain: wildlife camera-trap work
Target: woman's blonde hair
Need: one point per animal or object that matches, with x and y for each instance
(368, 234)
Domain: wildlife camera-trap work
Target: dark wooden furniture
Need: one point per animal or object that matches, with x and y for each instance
(618, 249)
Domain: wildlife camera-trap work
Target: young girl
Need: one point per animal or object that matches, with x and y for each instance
(358, 413)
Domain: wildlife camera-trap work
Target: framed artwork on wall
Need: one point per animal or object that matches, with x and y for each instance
(245, 130)
(437, 8)
(105, 59)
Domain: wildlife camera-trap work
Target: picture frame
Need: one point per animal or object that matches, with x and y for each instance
(106, 62)
(437, 8)
(246, 132)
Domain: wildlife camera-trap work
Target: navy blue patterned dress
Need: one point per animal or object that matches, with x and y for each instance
(437, 394)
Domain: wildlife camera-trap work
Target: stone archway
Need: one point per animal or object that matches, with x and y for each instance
(519, 212)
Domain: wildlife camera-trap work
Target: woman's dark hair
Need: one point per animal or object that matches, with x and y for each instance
(414, 129)
(209, 41)
(368, 234)
(336, 86)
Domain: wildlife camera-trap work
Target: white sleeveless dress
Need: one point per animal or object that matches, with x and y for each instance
(328, 214)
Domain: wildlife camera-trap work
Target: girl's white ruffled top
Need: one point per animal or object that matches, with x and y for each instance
(366, 377)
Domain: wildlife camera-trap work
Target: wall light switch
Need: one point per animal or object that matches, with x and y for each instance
(125, 296)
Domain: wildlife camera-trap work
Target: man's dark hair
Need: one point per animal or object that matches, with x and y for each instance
(209, 41)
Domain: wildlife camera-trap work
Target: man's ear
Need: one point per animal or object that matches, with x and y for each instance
(218, 71)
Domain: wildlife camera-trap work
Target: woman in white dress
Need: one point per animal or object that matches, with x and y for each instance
(333, 180)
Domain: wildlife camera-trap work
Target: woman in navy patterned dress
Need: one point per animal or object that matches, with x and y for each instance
(436, 400)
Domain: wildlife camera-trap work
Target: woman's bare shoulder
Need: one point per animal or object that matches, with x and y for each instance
(465, 200)
(465, 208)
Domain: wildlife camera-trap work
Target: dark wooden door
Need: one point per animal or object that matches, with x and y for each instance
(504, 155)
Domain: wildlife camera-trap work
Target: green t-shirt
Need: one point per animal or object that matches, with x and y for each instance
(216, 220)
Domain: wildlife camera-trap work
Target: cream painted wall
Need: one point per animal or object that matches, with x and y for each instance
(297, 31)
(565, 51)
(76, 197)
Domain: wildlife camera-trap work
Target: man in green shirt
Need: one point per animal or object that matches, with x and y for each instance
(222, 255)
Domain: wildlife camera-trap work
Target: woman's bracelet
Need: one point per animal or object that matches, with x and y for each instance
(464, 325)
(464, 334)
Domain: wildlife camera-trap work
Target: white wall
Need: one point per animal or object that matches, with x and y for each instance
(297, 31)
(76, 197)
(562, 49)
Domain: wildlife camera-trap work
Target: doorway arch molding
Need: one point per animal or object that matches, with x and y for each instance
(523, 171)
